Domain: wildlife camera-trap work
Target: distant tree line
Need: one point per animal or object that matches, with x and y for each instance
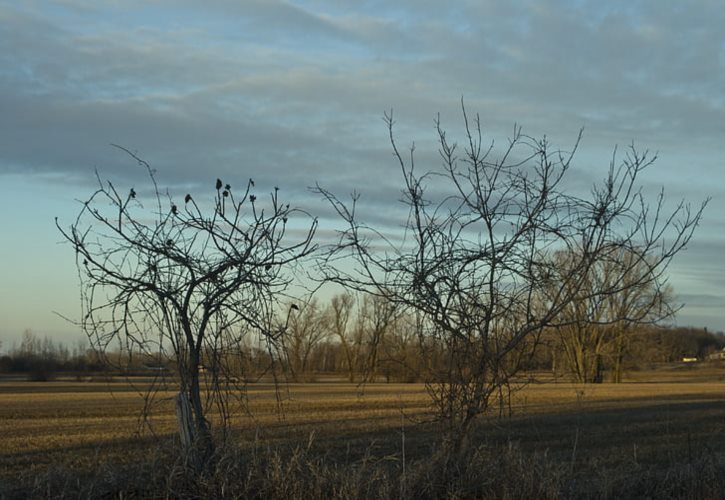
(361, 338)
(647, 346)
(41, 358)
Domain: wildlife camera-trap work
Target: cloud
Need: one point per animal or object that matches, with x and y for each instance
(292, 93)
(307, 97)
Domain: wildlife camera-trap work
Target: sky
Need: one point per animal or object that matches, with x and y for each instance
(292, 94)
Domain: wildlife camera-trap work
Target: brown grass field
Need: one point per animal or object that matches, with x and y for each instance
(672, 417)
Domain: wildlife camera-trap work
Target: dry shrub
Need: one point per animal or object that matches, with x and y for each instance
(485, 472)
(505, 472)
(137, 480)
(701, 479)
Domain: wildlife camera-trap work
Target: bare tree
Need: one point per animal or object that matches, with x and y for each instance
(401, 349)
(618, 293)
(307, 330)
(376, 316)
(476, 260)
(340, 313)
(186, 279)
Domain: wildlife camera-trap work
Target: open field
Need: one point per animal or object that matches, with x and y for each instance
(658, 419)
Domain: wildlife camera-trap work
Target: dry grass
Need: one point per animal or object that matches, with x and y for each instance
(571, 436)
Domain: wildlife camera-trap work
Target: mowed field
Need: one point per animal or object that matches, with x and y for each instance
(666, 416)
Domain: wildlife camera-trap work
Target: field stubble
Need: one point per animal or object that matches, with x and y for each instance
(658, 419)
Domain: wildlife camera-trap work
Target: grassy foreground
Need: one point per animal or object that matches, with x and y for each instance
(658, 436)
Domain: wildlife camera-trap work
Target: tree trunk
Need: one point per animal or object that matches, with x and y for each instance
(197, 445)
(196, 440)
(598, 369)
(619, 357)
(185, 422)
(617, 375)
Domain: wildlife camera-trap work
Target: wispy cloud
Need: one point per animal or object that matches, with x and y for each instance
(292, 93)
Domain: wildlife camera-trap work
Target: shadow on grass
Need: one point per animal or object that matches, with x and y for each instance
(664, 447)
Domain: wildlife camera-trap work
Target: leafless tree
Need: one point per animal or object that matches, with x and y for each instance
(340, 315)
(306, 331)
(376, 316)
(187, 279)
(401, 357)
(476, 260)
(619, 292)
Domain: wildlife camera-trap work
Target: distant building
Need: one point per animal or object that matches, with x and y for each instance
(716, 355)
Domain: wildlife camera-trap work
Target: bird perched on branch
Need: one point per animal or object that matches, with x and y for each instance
(218, 184)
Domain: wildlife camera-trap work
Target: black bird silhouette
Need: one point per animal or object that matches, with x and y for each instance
(174, 210)
(252, 198)
(225, 193)
(228, 187)
(294, 306)
(218, 184)
(268, 267)
(169, 243)
(251, 182)
(187, 198)
(132, 194)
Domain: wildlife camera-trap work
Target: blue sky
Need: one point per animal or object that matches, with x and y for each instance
(291, 93)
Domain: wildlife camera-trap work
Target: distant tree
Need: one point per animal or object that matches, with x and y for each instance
(398, 353)
(620, 292)
(376, 317)
(185, 279)
(306, 331)
(476, 261)
(340, 321)
(654, 344)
